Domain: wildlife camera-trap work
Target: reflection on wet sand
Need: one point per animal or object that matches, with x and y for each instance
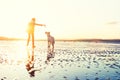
(72, 61)
(30, 63)
(49, 56)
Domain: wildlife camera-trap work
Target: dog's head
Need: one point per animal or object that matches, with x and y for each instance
(47, 33)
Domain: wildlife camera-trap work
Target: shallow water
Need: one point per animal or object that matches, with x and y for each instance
(72, 61)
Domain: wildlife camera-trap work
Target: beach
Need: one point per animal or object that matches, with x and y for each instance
(74, 60)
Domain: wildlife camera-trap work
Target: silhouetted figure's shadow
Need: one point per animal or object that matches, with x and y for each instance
(30, 63)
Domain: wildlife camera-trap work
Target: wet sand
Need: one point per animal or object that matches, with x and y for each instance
(69, 63)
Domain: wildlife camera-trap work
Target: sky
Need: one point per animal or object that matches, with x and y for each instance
(65, 19)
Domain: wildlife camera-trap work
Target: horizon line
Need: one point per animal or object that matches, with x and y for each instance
(59, 39)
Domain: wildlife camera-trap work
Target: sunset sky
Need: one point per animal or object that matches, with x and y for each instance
(65, 19)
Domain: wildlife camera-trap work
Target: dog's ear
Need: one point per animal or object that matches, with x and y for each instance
(46, 32)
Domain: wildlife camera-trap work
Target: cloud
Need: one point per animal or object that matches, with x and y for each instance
(112, 23)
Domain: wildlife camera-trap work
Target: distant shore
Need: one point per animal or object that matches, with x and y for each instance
(71, 40)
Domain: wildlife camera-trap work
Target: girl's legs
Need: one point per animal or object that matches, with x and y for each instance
(28, 39)
(33, 46)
